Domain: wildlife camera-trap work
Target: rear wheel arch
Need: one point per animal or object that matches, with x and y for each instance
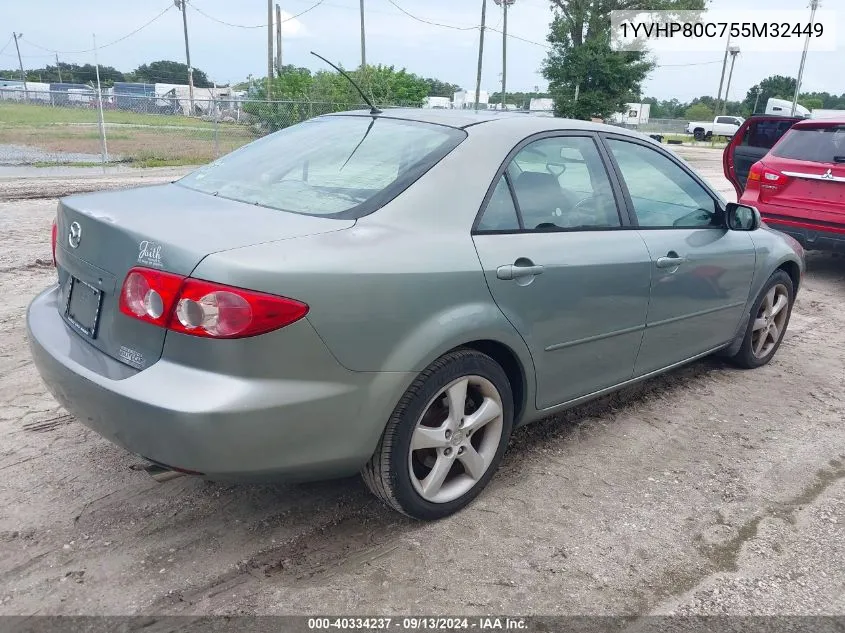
(508, 360)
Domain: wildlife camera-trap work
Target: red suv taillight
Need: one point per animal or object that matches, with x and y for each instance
(203, 308)
(54, 231)
(767, 180)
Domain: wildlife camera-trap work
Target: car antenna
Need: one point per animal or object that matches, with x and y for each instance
(373, 109)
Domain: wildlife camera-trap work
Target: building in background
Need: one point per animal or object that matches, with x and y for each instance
(437, 103)
(464, 99)
(635, 114)
(542, 105)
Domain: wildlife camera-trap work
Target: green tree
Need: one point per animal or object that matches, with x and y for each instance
(699, 112)
(437, 88)
(70, 73)
(586, 77)
(811, 103)
(776, 86)
(168, 72)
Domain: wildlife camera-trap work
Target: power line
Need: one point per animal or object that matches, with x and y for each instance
(521, 39)
(717, 61)
(252, 26)
(9, 41)
(431, 22)
(89, 50)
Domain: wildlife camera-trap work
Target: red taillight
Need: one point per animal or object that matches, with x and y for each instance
(766, 179)
(54, 231)
(203, 308)
(149, 295)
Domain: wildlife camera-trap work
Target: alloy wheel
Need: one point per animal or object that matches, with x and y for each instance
(456, 439)
(770, 322)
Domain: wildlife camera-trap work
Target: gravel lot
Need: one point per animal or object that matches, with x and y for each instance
(710, 490)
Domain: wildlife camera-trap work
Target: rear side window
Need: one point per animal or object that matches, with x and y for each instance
(765, 134)
(336, 166)
(823, 144)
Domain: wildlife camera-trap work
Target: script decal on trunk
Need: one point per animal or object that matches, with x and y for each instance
(131, 357)
(149, 253)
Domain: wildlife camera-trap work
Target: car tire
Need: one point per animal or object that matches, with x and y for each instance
(406, 478)
(698, 134)
(754, 352)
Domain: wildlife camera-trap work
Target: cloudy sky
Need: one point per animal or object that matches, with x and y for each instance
(229, 53)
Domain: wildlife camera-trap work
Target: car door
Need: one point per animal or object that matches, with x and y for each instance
(752, 141)
(701, 271)
(563, 266)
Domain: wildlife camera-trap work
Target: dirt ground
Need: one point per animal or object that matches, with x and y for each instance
(709, 490)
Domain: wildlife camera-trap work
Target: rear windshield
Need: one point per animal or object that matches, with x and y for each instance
(335, 166)
(817, 144)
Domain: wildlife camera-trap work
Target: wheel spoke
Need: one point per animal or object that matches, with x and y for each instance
(759, 324)
(774, 332)
(427, 437)
(473, 462)
(487, 412)
(457, 398)
(769, 302)
(761, 342)
(434, 480)
(780, 304)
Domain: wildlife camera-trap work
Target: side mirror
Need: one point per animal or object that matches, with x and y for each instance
(742, 217)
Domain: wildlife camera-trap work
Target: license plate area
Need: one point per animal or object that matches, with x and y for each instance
(82, 309)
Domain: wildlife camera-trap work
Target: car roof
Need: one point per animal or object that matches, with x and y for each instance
(817, 123)
(512, 121)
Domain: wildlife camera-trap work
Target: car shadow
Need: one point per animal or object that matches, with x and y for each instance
(303, 533)
(826, 267)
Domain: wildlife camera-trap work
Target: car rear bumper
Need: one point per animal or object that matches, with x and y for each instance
(227, 427)
(811, 235)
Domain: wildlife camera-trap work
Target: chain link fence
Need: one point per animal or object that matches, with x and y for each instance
(45, 128)
(145, 129)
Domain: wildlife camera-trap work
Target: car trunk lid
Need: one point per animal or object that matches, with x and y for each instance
(101, 236)
(811, 156)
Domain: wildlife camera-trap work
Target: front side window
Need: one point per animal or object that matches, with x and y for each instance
(561, 183)
(662, 193)
(340, 166)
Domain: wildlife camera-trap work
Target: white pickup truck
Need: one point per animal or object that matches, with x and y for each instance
(720, 126)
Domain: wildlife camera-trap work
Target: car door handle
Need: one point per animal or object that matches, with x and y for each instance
(671, 260)
(516, 271)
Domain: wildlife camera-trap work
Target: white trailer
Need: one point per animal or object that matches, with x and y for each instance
(783, 107)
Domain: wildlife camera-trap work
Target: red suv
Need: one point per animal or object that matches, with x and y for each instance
(793, 171)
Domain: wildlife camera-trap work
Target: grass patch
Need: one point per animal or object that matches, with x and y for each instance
(25, 114)
(67, 163)
(167, 162)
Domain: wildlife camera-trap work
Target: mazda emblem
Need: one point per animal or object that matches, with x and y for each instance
(74, 236)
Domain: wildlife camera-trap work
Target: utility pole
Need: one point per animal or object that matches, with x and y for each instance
(278, 39)
(180, 4)
(504, 4)
(722, 80)
(269, 47)
(756, 99)
(814, 4)
(363, 39)
(100, 108)
(58, 68)
(480, 53)
(734, 53)
(20, 64)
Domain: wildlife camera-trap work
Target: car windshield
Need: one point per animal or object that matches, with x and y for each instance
(335, 166)
(822, 144)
